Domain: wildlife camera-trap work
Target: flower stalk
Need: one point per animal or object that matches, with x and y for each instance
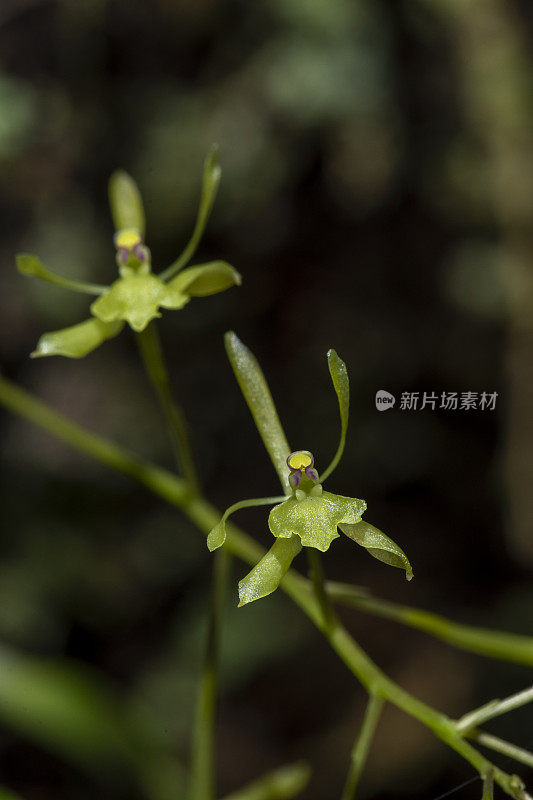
(203, 771)
(155, 366)
(362, 745)
(316, 572)
(484, 642)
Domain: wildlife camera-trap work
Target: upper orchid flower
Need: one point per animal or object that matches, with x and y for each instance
(137, 295)
(305, 515)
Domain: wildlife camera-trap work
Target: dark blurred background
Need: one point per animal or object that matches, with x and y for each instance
(377, 196)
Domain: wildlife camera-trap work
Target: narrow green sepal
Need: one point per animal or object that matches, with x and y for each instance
(210, 182)
(255, 389)
(206, 279)
(341, 384)
(217, 536)
(31, 266)
(379, 545)
(268, 573)
(77, 341)
(126, 202)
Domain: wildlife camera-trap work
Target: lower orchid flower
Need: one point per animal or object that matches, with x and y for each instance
(306, 515)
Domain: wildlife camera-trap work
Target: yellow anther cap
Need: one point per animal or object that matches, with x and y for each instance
(128, 238)
(300, 459)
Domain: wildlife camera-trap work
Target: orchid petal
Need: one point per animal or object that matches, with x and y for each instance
(268, 573)
(126, 202)
(379, 545)
(78, 340)
(341, 384)
(206, 279)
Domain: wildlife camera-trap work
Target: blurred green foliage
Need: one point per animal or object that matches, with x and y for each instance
(358, 202)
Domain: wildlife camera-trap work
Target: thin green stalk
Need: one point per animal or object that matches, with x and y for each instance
(495, 709)
(362, 746)
(210, 182)
(203, 742)
(32, 266)
(317, 579)
(485, 642)
(159, 481)
(501, 746)
(205, 516)
(488, 786)
(80, 286)
(154, 362)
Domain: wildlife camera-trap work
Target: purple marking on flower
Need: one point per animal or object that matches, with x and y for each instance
(139, 252)
(123, 255)
(312, 474)
(295, 478)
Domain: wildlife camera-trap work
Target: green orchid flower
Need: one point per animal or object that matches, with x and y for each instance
(137, 296)
(306, 515)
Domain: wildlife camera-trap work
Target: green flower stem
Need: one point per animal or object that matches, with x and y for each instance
(501, 746)
(317, 578)
(488, 786)
(159, 481)
(203, 743)
(154, 362)
(205, 516)
(279, 784)
(485, 642)
(362, 746)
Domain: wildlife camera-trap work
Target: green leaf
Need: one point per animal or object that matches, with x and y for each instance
(257, 395)
(315, 519)
(341, 384)
(210, 182)
(279, 784)
(32, 266)
(126, 202)
(267, 574)
(378, 545)
(77, 341)
(217, 536)
(205, 279)
(136, 299)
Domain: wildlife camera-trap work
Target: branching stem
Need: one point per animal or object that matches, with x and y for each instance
(205, 516)
(494, 644)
